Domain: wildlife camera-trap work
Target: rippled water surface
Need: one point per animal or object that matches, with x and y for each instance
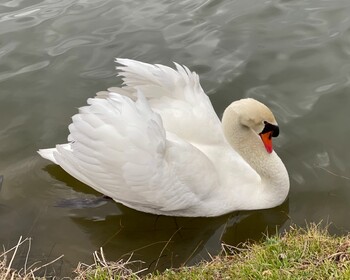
(292, 55)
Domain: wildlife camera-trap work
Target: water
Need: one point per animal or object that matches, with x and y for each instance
(291, 55)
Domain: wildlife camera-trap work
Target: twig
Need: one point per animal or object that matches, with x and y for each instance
(13, 257)
(25, 272)
(119, 267)
(27, 256)
(141, 248)
(166, 244)
(195, 249)
(335, 255)
(45, 265)
(231, 248)
(13, 248)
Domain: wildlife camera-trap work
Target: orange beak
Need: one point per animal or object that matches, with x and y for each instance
(267, 140)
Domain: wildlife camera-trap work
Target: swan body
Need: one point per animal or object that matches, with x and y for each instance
(156, 145)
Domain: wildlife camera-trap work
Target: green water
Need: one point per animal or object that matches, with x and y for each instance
(291, 55)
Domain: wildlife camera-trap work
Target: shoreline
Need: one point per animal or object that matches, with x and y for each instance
(297, 254)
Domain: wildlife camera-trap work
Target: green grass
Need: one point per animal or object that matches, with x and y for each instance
(298, 254)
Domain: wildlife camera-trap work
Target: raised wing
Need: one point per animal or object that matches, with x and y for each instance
(176, 95)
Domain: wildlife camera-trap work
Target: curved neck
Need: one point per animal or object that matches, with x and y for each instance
(274, 177)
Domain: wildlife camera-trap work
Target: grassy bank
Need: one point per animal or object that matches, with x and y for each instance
(298, 254)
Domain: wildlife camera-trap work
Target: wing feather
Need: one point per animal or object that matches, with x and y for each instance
(142, 144)
(120, 148)
(177, 96)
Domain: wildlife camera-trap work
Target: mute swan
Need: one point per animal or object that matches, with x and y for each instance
(156, 145)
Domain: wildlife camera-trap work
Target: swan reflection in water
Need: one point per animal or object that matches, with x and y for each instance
(165, 241)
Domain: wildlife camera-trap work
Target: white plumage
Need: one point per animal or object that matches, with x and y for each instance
(156, 145)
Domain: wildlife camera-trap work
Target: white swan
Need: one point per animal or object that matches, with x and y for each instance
(156, 145)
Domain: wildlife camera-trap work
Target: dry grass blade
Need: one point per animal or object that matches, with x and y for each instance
(109, 269)
(193, 252)
(13, 257)
(8, 272)
(166, 245)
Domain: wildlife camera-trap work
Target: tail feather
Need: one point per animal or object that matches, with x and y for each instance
(48, 154)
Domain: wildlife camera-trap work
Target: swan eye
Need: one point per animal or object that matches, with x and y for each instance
(270, 128)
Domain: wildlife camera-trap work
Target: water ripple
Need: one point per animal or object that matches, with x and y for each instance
(31, 16)
(7, 48)
(25, 69)
(70, 43)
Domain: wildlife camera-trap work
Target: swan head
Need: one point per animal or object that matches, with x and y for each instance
(250, 115)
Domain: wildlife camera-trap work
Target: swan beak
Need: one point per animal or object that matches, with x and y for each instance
(267, 140)
(270, 130)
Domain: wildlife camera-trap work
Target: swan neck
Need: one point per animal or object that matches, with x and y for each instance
(274, 177)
